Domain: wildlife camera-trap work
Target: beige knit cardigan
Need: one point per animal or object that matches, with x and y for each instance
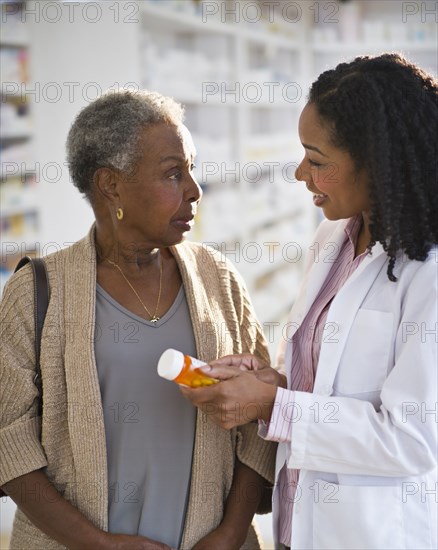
(71, 447)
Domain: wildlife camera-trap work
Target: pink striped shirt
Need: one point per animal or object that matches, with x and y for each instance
(305, 355)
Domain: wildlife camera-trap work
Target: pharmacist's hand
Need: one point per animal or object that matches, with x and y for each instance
(239, 397)
(248, 362)
(113, 541)
(243, 361)
(271, 376)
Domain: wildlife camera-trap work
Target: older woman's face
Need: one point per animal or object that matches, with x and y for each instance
(329, 172)
(160, 198)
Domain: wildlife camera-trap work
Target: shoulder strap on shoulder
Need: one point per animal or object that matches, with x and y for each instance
(41, 301)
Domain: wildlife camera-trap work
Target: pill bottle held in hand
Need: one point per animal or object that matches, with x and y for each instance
(183, 369)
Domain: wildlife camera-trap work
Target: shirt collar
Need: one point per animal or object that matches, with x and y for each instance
(353, 227)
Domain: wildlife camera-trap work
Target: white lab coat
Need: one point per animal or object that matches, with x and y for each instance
(366, 439)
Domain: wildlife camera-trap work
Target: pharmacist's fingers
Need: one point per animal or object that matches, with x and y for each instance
(243, 361)
(233, 402)
(220, 372)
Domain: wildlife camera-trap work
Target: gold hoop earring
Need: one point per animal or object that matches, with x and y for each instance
(119, 214)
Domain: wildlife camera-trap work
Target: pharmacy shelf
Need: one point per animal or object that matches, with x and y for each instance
(9, 211)
(270, 39)
(274, 305)
(8, 95)
(237, 133)
(19, 208)
(11, 43)
(172, 18)
(10, 136)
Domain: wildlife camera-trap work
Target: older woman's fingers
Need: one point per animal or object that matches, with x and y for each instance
(201, 397)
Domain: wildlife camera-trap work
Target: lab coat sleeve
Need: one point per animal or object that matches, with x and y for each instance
(346, 435)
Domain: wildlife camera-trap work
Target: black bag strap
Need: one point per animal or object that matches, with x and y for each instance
(41, 301)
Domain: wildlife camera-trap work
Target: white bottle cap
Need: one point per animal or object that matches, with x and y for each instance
(170, 364)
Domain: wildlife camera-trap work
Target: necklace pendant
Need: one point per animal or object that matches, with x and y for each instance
(154, 319)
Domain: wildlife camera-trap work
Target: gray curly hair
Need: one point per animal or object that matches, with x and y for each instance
(106, 133)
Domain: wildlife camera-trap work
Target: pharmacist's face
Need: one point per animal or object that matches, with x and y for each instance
(160, 198)
(338, 188)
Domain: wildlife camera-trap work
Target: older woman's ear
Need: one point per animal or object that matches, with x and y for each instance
(105, 184)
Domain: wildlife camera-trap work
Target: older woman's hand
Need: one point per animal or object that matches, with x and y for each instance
(247, 362)
(239, 398)
(131, 542)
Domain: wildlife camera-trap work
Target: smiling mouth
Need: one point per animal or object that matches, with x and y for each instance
(314, 193)
(319, 199)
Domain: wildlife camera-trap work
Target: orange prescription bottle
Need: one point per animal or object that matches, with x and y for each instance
(183, 369)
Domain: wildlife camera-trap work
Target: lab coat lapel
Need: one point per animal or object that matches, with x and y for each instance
(324, 255)
(341, 314)
(325, 252)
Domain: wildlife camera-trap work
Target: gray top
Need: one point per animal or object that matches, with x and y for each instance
(150, 427)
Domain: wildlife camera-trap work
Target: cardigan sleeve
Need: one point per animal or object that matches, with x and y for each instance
(252, 450)
(214, 286)
(21, 450)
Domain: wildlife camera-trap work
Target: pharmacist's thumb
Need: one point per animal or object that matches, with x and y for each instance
(220, 372)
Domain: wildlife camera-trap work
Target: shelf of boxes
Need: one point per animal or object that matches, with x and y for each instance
(12, 30)
(371, 28)
(239, 84)
(19, 217)
(243, 85)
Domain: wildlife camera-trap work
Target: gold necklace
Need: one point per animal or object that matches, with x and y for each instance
(154, 317)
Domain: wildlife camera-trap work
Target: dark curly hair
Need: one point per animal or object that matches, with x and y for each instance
(384, 112)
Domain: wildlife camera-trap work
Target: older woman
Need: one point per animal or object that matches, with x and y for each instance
(356, 464)
(123, 460)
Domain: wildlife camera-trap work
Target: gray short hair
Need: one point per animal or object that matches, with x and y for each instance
(106, 132)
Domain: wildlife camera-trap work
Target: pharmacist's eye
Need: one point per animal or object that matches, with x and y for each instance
(314, 164)
(192, 167)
